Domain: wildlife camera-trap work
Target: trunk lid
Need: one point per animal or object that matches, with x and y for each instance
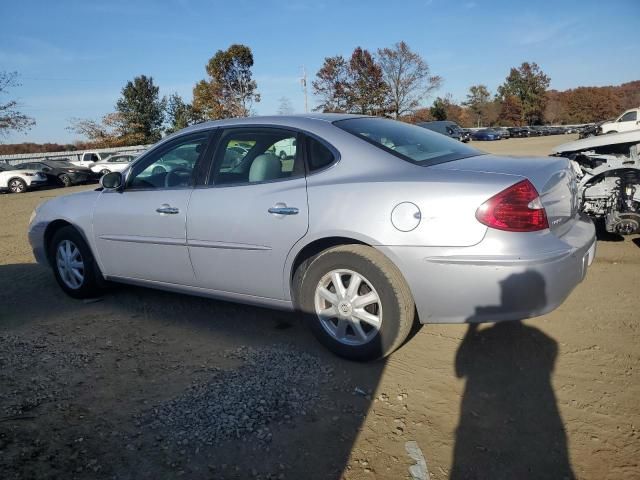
(552, 177)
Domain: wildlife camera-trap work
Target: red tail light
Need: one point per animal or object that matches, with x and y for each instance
(516, 209)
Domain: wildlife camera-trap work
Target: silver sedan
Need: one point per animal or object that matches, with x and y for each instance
(370, 226)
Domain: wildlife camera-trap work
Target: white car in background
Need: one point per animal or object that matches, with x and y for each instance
(19, 181)
(629, 120)
(285, 148)
(114, 163)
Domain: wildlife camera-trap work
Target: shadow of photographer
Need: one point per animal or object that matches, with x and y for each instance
(510, 426)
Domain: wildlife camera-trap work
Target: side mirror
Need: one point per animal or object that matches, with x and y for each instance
(112, 181)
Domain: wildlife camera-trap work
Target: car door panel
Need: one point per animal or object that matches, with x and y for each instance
(236, 245)
(135, 241)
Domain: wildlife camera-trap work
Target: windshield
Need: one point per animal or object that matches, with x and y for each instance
(409, 142)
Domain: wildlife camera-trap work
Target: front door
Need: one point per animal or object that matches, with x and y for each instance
(242, 225)
(628, 121)
(140, 231)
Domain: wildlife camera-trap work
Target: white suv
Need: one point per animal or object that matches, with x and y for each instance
(629, 120)
(19, 181)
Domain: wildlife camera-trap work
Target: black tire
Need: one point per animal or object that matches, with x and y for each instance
(283, 156)
(90, 286)
(65, 180)
(395, 297)
(17, 185)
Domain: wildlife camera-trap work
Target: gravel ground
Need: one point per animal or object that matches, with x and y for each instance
(272, 385)
(143, 384)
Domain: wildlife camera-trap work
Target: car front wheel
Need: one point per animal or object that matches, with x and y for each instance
(73, 264)
(17, 185)
(356, 301)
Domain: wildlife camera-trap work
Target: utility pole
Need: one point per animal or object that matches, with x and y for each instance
(303, 82)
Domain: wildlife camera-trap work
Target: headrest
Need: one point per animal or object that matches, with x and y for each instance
(265, 167)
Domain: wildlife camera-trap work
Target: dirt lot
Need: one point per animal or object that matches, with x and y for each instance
(146, 384)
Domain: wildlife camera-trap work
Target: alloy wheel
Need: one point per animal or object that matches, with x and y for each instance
(17, 186)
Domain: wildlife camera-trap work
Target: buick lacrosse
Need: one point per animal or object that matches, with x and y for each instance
(363, 225)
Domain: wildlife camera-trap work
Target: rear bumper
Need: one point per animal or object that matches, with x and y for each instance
(507, 276)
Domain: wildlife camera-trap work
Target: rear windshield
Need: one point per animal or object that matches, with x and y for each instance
(409, 142)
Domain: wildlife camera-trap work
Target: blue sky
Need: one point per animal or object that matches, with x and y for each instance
(74, 56)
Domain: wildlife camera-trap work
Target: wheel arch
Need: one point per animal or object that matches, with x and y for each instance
(17, 178)
(51, 230)
(316, 245)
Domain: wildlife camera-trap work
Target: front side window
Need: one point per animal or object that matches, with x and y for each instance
(171, 167)
(629, 117)
(247, 155)
(409, 142)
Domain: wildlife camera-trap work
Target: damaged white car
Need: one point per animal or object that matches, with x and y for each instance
(608, 174)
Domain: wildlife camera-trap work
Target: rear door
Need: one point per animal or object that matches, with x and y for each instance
(243, 223)
(140, 231)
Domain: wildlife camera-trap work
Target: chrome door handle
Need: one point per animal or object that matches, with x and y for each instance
(168, 209)
(284, 210)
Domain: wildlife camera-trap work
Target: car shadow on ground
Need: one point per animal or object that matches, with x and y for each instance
(150, 347)
(146, 349)
(510, 425)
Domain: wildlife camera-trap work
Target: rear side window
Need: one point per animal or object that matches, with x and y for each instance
(409, 142)
(319, 156)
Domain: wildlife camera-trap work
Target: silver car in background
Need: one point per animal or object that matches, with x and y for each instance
(369, 226)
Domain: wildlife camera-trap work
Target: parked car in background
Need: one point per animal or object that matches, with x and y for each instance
(114, 163)
(60, 173)
(87, 159)
(285, 149)
(629, 120)
(19, 180)
(538, 131)
(504, 132)
(486, 134)
(429, 230)
(590, 130)
(446, 127)
(518, 132)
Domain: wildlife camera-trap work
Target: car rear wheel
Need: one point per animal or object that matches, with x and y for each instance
(73, 264)
(65, 180)
(17, 185)
(355, 301)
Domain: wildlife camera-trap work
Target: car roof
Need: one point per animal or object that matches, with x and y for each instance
(300, 120)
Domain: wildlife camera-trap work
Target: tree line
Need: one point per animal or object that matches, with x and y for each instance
(395, 82)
